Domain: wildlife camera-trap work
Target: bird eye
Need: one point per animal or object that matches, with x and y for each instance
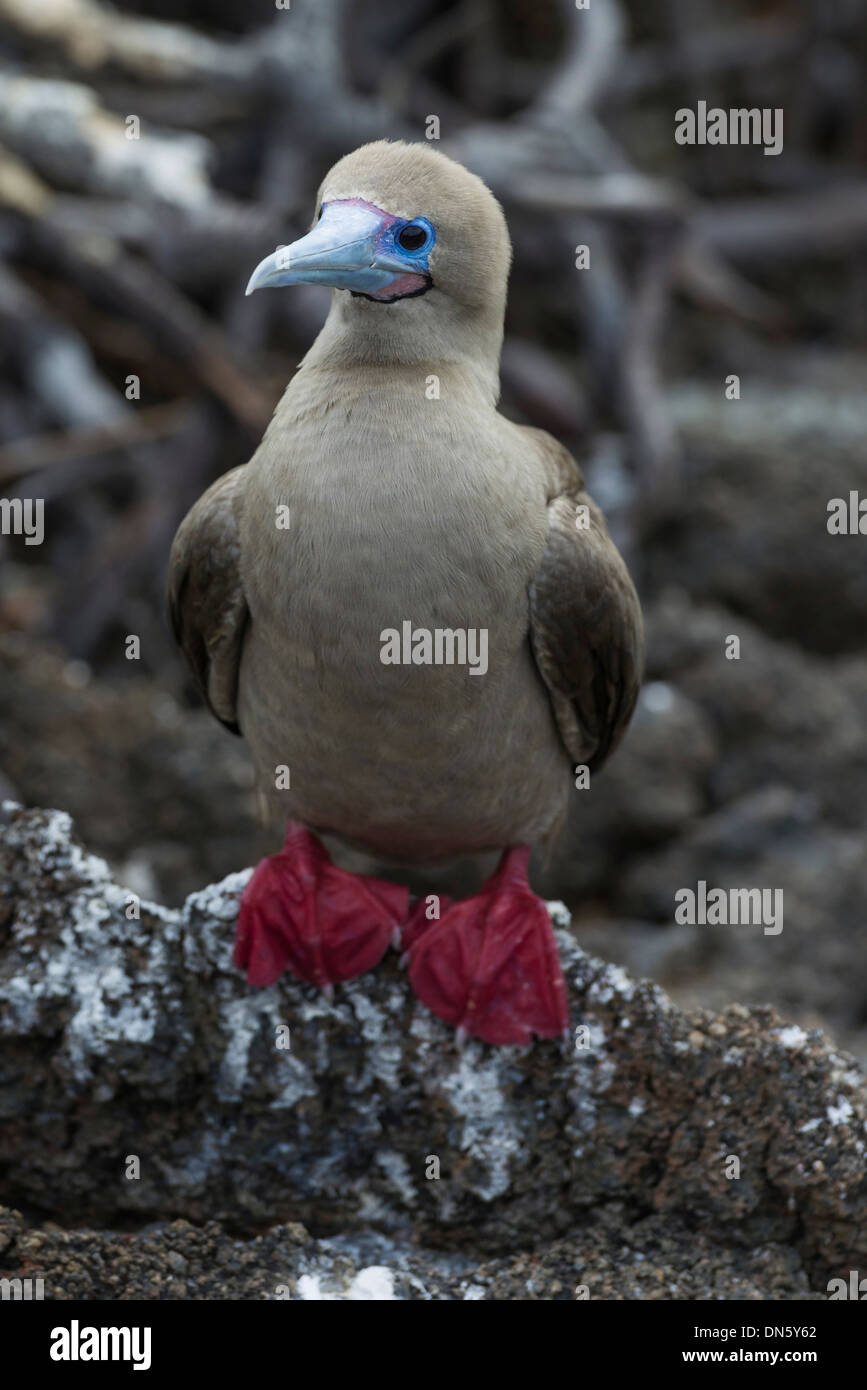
(411, 238)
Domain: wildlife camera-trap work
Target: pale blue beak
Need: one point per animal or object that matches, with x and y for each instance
(348, 249)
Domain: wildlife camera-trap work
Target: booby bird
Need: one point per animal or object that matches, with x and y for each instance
(334, 597)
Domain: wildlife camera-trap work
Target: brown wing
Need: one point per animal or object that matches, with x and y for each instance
(206, 603)
(585, 619)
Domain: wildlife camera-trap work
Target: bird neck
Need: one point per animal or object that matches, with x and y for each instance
(432, 339)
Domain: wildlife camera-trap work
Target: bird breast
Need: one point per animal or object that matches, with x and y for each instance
(424, 533)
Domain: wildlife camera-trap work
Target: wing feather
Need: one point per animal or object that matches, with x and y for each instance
(586, 629)
(206, 603)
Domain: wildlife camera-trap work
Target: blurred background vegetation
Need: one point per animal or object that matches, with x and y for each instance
(134, 371)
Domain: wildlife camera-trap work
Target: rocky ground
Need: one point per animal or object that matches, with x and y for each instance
(302, 1172)
(653, 1258)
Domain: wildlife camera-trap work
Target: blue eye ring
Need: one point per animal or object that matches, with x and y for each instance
(415, 237)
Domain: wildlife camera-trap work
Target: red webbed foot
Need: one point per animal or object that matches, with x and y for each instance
(490, 965)
(301, 913)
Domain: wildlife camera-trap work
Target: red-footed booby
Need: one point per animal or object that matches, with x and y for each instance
(409, 607)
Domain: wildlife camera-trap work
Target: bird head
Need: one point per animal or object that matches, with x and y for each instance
(395, 222)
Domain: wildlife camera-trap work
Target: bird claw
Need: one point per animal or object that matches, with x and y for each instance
(301, 913)
(490, 965)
